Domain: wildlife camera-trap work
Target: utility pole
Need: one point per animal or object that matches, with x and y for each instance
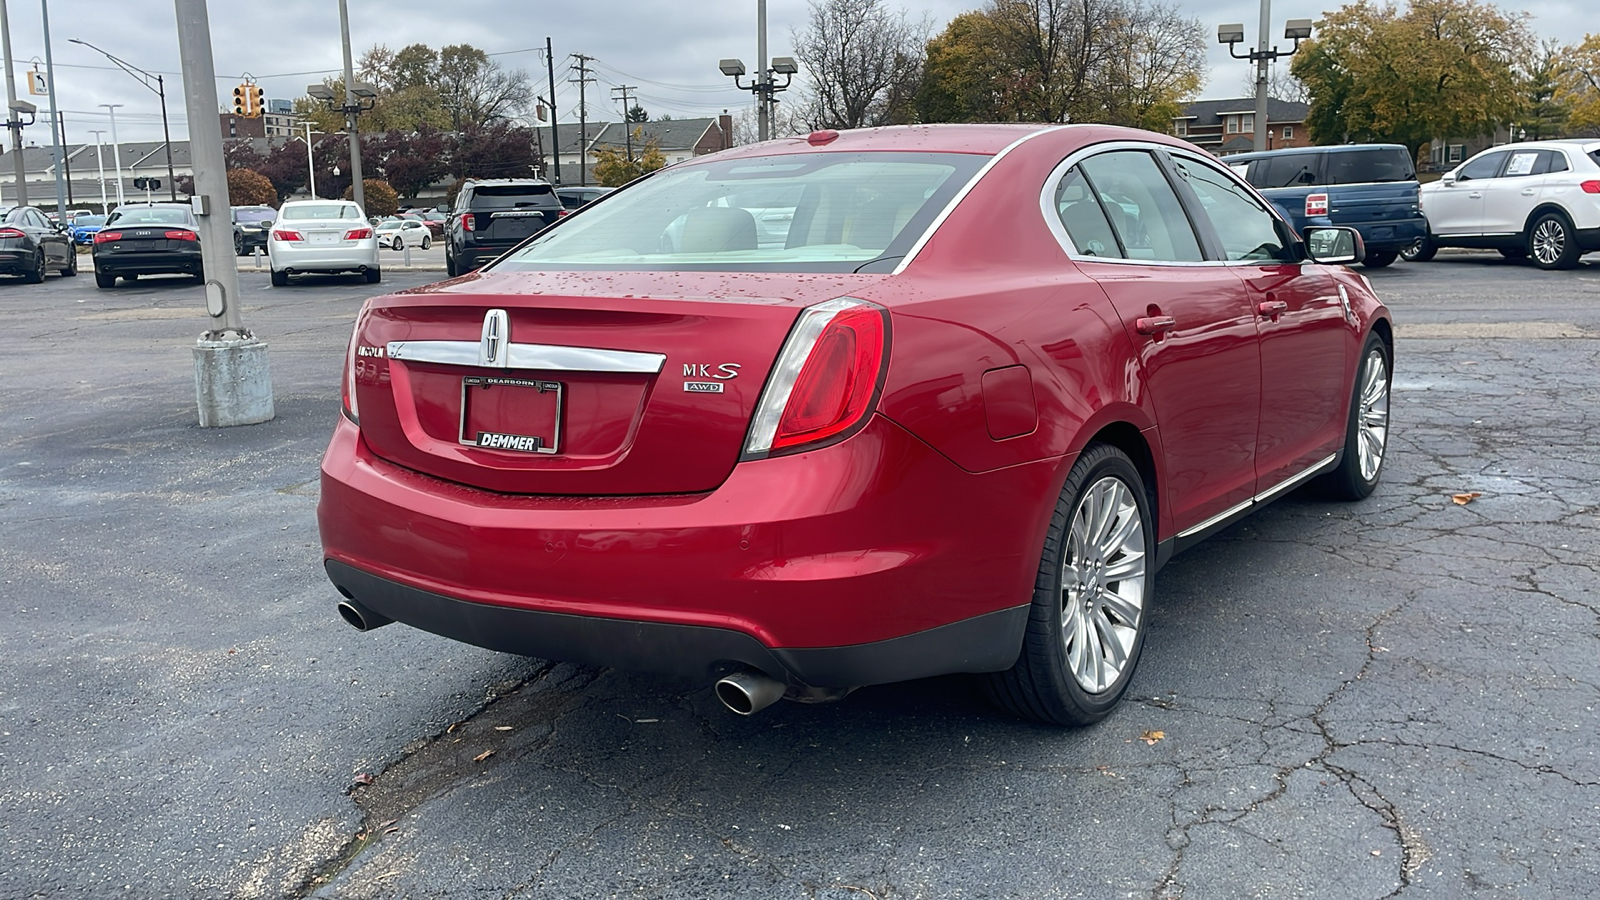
(357, 187)
(583, 116)
(627, 126)
(57, 153)
(232, 383)
(99, 163)
(116, 148)
(555, 134)
(13, 120)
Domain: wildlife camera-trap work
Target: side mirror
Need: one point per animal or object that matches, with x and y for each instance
(1448, 180)
(1333, 245)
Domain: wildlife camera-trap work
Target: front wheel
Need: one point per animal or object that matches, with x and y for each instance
(1422, 250)
(1377, 259)
(1087, 623)
(426, 242)
(72, 263)
(1366, 430)
(1550, 242)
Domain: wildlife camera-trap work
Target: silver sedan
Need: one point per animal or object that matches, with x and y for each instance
(322, 236)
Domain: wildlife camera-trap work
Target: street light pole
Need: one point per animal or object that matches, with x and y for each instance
(116, 149)
(143, 78)
(1260, 133)
(13, 120)
(311, 164)
(58, 150)
(99, 163)
(351, 107)
(1296, 30)
(763, 78)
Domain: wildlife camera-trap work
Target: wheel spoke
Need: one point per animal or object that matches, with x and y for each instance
(1129, 565)
(1125, 610)
(1115, 654)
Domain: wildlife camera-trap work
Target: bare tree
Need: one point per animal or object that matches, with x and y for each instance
(786, 122)
(1281, 85)
(1157, 59)
(476, 90)
(862, 63)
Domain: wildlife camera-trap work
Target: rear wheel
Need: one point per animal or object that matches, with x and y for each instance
(1422, 250)
(238, 245)
(450, 264)
(426, 242)
(103, 280)
(36, 275)
(279, 278)
(1550, 242)
(1087, 623)
(1367, 429)
(374, 275)
(1377, 259)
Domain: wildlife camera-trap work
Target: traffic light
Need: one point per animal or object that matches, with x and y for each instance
(241, 102)
(258, 102)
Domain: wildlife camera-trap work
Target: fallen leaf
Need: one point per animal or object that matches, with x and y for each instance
(363, 778)
(1377, 853)
(646, 721)
(390, 830)
(1464, 498)
(502, 728)
(390, 822)
(483, 756)
(1151, 737)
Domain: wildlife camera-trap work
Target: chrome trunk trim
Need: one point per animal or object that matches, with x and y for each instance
(541, 357)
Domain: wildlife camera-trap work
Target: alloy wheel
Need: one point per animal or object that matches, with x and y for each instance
(1102, 584)
(1372, 418)
(1549, 240)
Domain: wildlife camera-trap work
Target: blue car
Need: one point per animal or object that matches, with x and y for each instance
(1369, 187)
(84, 228)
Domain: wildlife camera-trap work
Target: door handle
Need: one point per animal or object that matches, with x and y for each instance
(1476, 195)
(1271, 309)
(1156, 325)
(1527, 192)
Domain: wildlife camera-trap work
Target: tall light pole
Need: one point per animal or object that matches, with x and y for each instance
(13, 121)
(143, 78)
(311, 164)
(1296, 30)
(99, 163)
(58, 149)
(232, 383)
(116, 149)
(351, 108)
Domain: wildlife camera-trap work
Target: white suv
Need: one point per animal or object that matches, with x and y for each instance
(1536, 199)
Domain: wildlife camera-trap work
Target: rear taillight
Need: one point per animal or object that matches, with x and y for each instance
(1591, 187)
(347, 388)
(563, 213)
(100, 237)
(1316, 204)
(466, 221)
(358, 234)
(826, 381)
(11, 233)
(182, 236)
(285, 235)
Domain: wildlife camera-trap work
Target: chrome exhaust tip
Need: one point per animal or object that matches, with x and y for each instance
(359, 617)
(748, 692)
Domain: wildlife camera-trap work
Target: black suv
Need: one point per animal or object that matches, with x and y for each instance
(250, 227)
(492, 215)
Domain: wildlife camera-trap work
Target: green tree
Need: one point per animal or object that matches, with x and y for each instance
(613, 167)
(1433, 68)
(381, 198)
(247, 187)
(638, 114)
(1544, 115)
(1578, 85)
(961, 80)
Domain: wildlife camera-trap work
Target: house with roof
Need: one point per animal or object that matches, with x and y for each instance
(678, 140)
(1229, 126)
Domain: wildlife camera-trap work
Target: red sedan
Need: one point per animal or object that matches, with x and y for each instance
(855, 408)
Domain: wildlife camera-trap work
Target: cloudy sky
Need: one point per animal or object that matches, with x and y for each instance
(668, 50)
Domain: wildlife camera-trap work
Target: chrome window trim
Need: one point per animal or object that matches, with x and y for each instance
(1292, 481)
(949, 208)
(1052, 220)
(542, 357)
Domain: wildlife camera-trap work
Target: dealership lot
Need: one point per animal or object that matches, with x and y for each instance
(1335, 701)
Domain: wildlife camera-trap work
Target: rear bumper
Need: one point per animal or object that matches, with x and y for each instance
(870, 561)
(1588, 239)
(185, 262)
(16, 260)
(360, 255)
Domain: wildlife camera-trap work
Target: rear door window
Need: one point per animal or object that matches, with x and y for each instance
(1521, 163)
(1288, 170)
(1143, 210)
(1084, 218)
(1377, 165)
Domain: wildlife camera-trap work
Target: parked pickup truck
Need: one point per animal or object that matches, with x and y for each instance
(1369, 187)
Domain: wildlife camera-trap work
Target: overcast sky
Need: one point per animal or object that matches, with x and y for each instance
(669, 50)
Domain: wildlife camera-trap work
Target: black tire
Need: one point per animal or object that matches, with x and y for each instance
(37, 274)
(238, 246)
(1368, 422)
(102, 280)
(450, 264)
(1045, 683)
(374, 276)
(72, 264)
(1514, 252)
(1550, 242)
(426, 242)
(1421, 251)
(1377, 259)
(280, 279)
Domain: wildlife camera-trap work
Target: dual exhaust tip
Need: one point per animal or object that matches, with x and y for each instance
(745, 692)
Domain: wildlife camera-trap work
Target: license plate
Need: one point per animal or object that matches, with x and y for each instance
(138, 245)
(323, 238)
(521, 415)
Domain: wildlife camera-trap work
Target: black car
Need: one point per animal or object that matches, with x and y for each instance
(31, 244)
(147, 239)
(574, 197)
(492, 215)
(250, 227)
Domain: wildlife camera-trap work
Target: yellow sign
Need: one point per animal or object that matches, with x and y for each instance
(38, 83)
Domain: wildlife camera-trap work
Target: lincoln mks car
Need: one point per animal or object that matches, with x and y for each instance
(855, 408)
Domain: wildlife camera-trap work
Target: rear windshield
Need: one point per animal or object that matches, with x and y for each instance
(320, 211)
(1377, 165)
(506, 196)
(809, 212)
(255, 215)
(1287, 170)
(156, 215)
(89, 220)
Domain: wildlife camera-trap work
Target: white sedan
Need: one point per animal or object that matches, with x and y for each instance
(399, 233)
(322, 236)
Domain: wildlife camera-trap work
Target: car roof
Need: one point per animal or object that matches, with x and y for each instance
(1330, 148)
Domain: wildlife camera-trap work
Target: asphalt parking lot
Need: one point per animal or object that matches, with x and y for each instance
(1390, 698)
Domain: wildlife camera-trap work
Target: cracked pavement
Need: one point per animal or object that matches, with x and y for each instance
(1394, 698)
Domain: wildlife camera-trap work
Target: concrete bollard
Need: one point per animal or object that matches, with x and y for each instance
(232, 382)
